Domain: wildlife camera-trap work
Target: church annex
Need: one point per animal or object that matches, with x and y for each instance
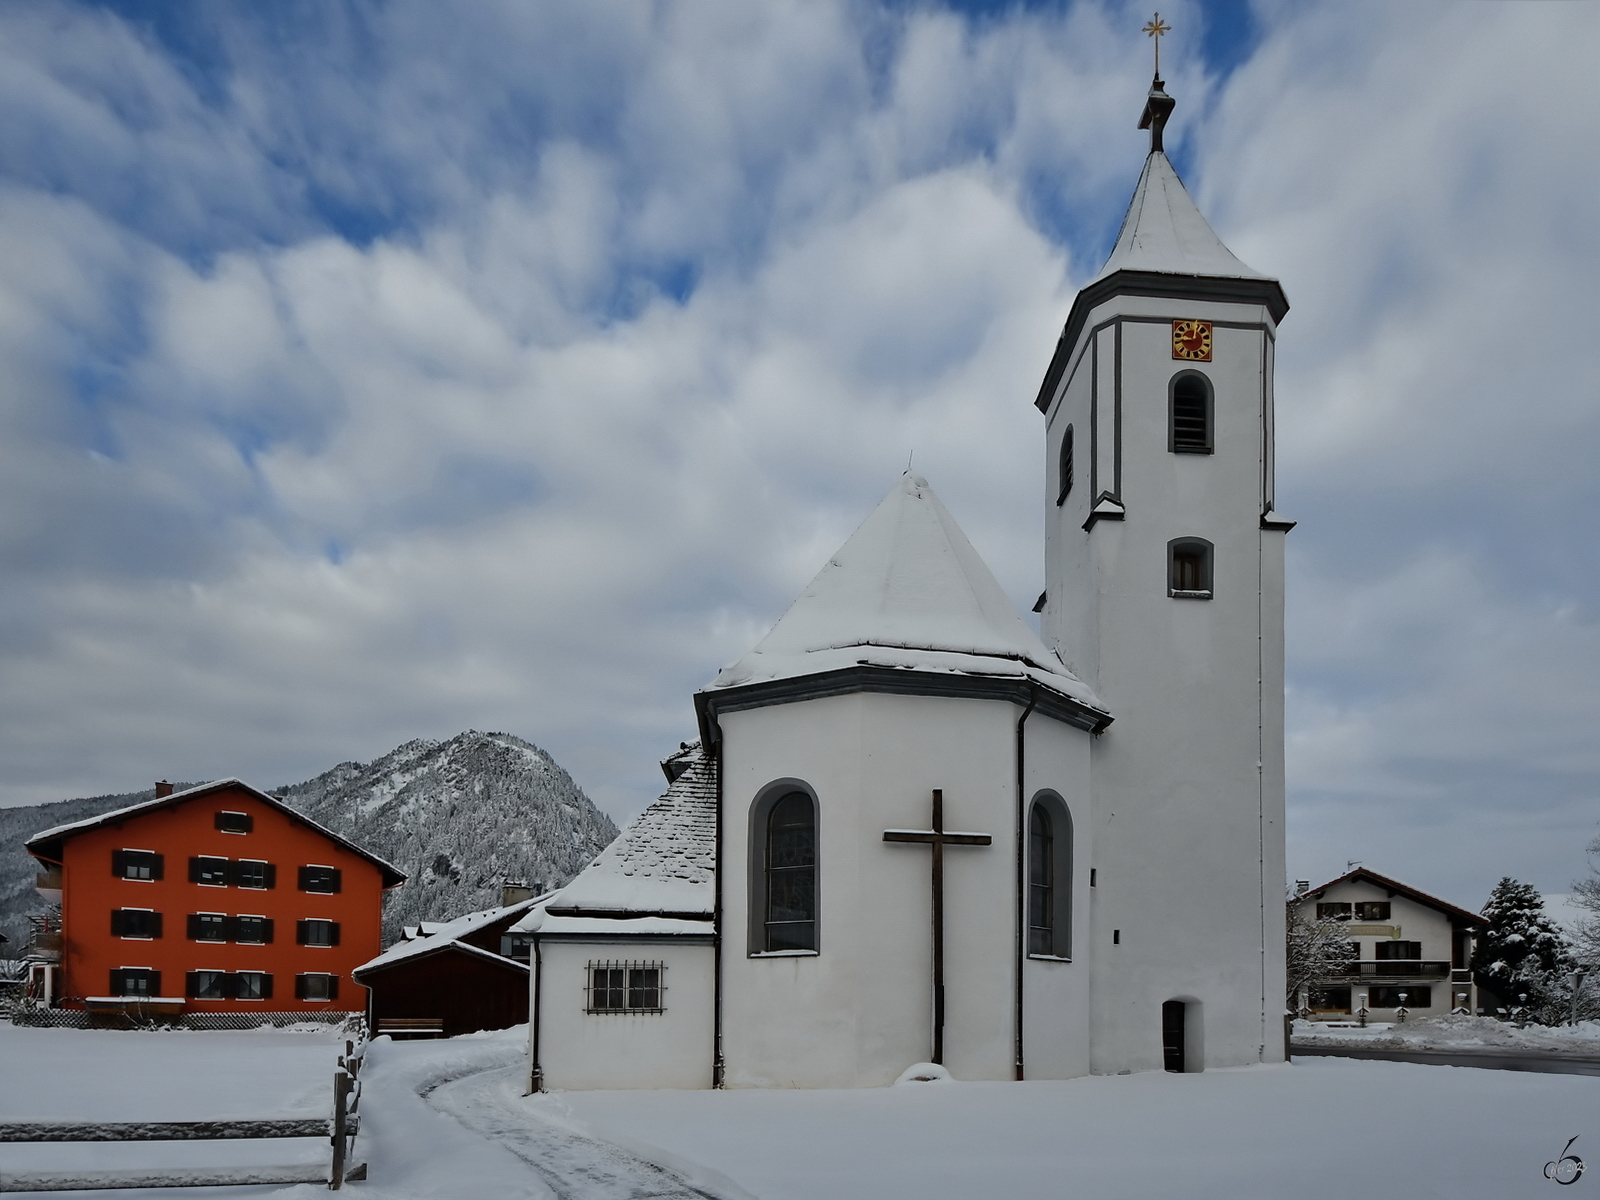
(914, 831)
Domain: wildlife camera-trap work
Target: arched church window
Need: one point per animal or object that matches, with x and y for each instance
(790, 869)
(1189, 568)
(1049, 877)
(1066, 466)
(1191, 406)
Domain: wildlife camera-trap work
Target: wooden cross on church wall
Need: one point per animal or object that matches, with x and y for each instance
(938, 839)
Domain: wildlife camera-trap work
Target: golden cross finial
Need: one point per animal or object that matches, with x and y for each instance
(1155, 29)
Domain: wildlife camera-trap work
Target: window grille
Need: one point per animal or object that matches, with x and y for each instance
(625, 987)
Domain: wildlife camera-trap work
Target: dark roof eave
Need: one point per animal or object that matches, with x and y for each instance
(1225, 289)
(709, 702)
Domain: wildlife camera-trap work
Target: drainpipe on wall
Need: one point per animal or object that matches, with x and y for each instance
(1022, 881)
(536, 1072)
(718, 1068)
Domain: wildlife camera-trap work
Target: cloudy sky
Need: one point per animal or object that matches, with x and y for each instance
(377, 371)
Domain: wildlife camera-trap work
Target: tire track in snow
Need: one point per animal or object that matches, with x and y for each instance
(575, 1166)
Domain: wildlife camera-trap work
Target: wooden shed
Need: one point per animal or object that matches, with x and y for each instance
(458, 977)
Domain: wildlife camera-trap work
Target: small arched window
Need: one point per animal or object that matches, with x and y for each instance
(1049, 877)
(1189, 569)
(1191, 407)
(1065, 472)
(789, 894)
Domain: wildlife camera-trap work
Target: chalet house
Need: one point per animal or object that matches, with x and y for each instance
(456, 977)
(219, 898)
(1410, 948)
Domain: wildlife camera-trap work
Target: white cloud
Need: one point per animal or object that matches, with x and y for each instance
(515, 368)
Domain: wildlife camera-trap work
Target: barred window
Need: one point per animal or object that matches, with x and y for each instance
(625, 987)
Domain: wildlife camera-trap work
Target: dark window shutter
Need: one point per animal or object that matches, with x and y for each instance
(337, 877)
(194, 870)
(302, 930)
(233, 874)
(116, 983)
(266, 931)
(299, 987)
(119, 863)
(266, 987)
(272, 875)
(333, 933)
(155, 924)
(228, 986)
(194, 927)
(333, 987)
(304, 878)
(117, 923)
(155, 983)
(158, 862)
(191, 983)
(230, 929)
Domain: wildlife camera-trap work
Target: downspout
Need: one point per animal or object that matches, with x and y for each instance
(1022, 881)
(717, 1065)
(536, 1073)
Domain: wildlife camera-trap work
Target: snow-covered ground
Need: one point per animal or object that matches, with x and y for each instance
(448, 1119)
(123, 1075)
(1453, 1033)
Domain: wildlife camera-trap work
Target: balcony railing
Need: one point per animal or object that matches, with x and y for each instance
(1397, 968)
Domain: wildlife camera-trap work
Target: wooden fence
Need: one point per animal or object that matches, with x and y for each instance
(341, 1129)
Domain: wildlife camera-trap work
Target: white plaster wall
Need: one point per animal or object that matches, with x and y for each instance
(1056, 994)
(581, 1050)
(859, 1012)
(1188, 781)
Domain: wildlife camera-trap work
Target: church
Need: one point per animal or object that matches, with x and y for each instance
(912, 831)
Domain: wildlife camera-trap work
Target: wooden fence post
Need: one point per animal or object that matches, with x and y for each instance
(341, 1096)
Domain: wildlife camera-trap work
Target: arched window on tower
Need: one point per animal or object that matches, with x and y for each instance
(1191, 407)
(785, 892)
(1049, 877)
(1189, 568)
(1065, 472)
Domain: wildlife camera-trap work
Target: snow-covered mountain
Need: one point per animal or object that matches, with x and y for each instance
(459, 817)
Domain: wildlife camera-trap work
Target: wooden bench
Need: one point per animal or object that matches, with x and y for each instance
(411, 1026)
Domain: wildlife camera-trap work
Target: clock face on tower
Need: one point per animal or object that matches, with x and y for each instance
(1191, 340)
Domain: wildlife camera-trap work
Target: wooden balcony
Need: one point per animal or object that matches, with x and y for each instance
(1395, 968)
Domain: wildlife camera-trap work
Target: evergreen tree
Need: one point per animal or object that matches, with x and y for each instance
(1522, 952)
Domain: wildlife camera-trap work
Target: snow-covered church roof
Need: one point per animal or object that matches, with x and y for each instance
(664, 862)
(906, 591)
(1164, 232)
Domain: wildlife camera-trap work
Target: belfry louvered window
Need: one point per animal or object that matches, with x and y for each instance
(1065, 472)
(1191, 414)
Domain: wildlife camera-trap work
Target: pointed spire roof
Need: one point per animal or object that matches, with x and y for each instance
(1165, 248)
(1164, 232)
(906, 592)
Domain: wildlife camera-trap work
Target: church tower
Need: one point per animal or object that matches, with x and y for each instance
(1164, 570)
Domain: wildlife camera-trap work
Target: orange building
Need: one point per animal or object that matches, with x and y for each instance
(220, 898)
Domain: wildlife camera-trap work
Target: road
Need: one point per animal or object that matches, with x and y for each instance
(1490, 1058)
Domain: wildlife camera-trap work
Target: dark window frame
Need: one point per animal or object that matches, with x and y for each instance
(327, 984)
(323, 926)
(243, 875)
(237, 930)
(1190, 561)
(240, 979)
(1064, 466)
(214, 986)
(614, 988)
(1050, 898)
(218, 921)
(229, 821)
(122, 977)
(149, 862)
(210, 870)
(136, 924)
(319, 879)
(1363, 910)
(785, 936)
(1339, 910)
(1188, 443)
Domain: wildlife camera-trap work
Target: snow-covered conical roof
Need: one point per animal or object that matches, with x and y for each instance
(1164, 232)
(906, 591)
